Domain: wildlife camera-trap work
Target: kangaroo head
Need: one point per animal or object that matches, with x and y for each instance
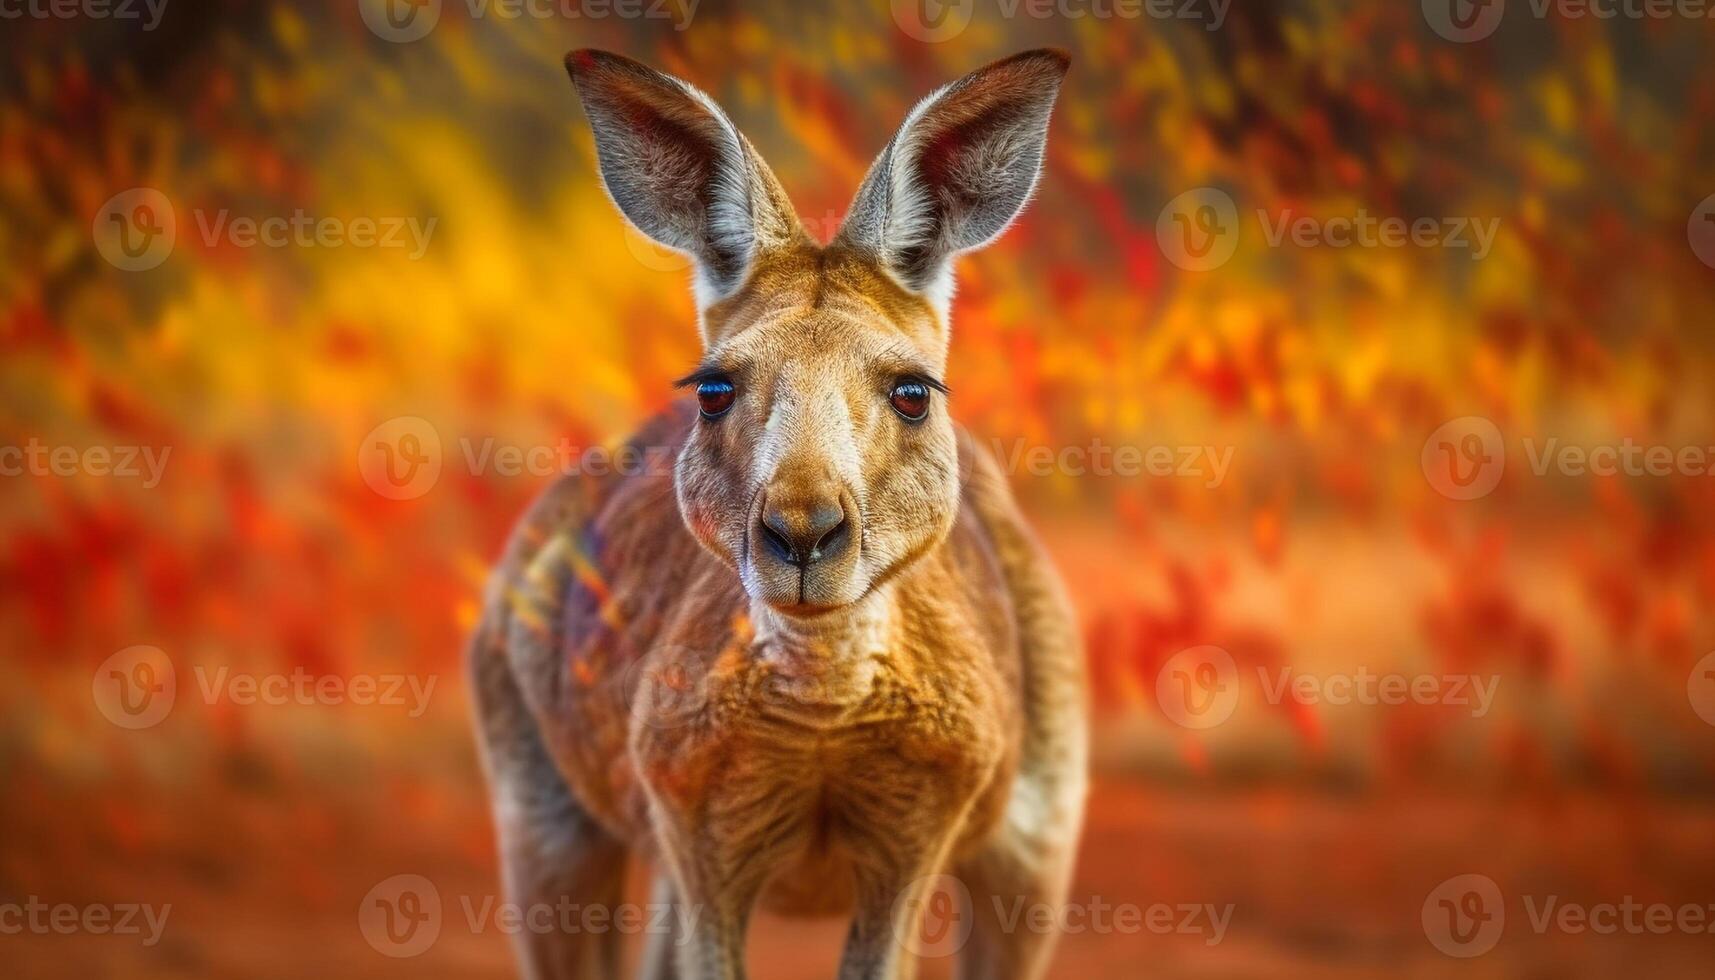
(824, 460)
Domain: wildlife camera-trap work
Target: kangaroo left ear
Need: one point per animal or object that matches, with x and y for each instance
(958, 172)
(679, 170)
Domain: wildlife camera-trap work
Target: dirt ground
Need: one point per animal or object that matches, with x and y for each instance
(1309, 885)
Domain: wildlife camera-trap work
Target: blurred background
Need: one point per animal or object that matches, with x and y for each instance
(302, 303)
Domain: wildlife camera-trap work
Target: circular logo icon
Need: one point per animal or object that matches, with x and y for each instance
(401, 917)
(400, 21)
(400, 459)
(933, 21)
(1198, 688)
(652, 254)
(1464, 21)
(1701, 231)
(136, 687)
(1700, 688)
(667, 689)
(932, 918)
(1464, 917)
(1464, 459)
(1199, 230)
(135, 230)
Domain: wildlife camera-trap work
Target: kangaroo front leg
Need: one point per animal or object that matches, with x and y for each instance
(661, 948)
(893, 881)
(719, 863)
(552, 851)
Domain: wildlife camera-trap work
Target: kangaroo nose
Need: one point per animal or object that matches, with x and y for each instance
(803, 533)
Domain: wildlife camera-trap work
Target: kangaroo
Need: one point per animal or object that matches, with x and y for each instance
(822, 661)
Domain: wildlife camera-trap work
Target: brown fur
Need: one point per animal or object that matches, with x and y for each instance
(818, 737)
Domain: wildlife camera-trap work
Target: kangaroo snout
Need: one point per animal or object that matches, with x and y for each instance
(805, 535)
(804, 530)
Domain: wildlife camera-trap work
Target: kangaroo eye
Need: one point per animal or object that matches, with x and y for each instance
(911, 400)
(715, 398)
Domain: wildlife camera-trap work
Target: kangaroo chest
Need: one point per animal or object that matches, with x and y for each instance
(812, 747)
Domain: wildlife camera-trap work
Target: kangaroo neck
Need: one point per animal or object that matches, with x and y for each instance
(846, 637)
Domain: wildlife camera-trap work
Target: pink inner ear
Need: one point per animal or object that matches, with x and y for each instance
(942, 157)
(657, 116)
(680, 154)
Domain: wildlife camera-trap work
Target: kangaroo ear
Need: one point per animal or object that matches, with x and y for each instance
(958, 172)
(679, 170)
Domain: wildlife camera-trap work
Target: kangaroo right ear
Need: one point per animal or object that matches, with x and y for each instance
(959, 170)
(679, 170)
